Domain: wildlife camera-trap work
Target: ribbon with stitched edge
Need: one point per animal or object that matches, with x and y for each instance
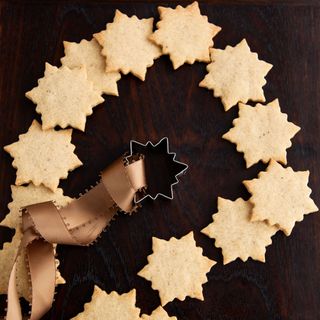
(78, 223)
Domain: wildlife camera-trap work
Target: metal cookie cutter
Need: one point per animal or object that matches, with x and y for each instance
(162, 168)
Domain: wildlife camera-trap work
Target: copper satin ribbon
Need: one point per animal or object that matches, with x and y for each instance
(79, 223)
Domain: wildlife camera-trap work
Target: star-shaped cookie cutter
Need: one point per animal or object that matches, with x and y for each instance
(158, 153)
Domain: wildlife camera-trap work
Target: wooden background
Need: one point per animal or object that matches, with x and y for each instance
(168, 103)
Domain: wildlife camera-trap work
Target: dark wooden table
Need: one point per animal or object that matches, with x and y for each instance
(168, 103)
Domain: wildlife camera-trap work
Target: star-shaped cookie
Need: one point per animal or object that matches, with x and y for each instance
(158, 314)
(236, 234)
(88, 54)
(262, 133)
(280, 196)
(26, 195)
(112, 306)
(64, 97)
(184, 34)
(177, 268)
(43, 156)
(126, 45)
(23, 196)
(236, 75)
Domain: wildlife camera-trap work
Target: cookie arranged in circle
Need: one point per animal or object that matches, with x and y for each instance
(126, 45)
(236, 75)
(88, 54)
(43, 156)
(25, 195)
(280, 196)
(64, 97)
(158, 314)
(177, 268)
(262, 133)
(236, 234)
(184, 34)
(112, 306)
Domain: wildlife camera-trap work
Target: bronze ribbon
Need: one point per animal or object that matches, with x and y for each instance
(79, 223)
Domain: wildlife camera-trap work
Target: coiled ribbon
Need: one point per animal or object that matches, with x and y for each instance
(79, 223)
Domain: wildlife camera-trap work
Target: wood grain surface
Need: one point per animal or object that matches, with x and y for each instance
(170, 103)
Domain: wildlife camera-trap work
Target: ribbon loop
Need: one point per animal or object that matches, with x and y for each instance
(49, 223)
(122, 182)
